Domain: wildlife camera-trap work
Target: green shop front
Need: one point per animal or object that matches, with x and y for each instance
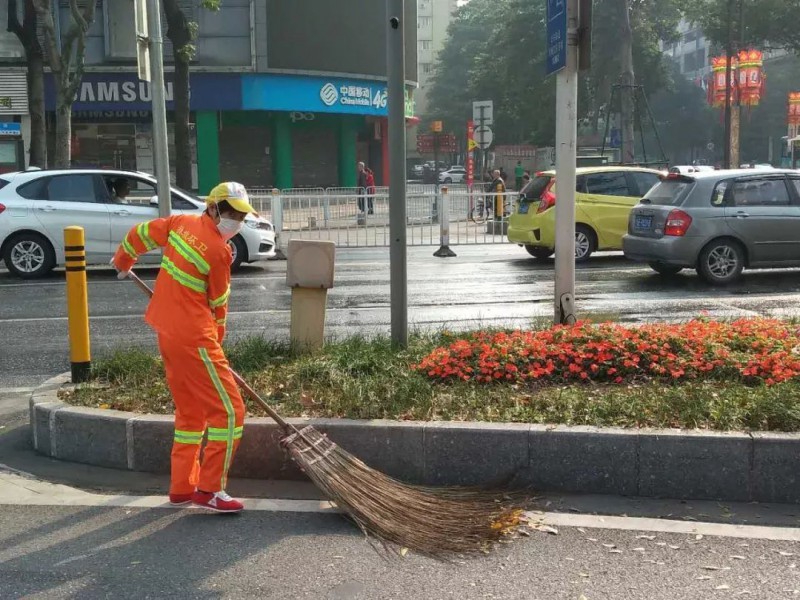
(296, 131)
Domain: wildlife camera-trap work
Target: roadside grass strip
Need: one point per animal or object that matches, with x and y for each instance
(702, 374)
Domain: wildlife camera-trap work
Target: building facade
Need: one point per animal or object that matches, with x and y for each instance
(284, 93)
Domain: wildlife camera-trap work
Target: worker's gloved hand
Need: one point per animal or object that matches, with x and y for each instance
(120, 274)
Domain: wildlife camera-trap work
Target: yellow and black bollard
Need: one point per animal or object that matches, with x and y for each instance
(77, 304)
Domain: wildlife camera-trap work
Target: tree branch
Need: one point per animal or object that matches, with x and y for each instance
(45, 12)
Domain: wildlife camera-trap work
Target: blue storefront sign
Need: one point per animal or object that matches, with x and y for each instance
(10, 130)
(125, 92)
(556, 35)
(314, 94)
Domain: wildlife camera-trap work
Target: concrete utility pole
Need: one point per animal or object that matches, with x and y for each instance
(566, 158)
(160, 145)
(396, 75)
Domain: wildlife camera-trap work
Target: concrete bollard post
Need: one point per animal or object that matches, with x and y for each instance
(310, 275)
(444, 250)
(80, 357)
(277, 223)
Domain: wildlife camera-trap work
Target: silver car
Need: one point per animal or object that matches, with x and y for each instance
(718, 223)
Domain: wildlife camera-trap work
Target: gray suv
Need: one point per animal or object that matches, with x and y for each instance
(718, 222)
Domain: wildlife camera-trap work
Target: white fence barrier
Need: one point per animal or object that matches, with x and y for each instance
(355, 219)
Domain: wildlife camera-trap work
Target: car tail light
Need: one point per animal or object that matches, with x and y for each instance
(2, 208)
(678, 223)
(548, 199)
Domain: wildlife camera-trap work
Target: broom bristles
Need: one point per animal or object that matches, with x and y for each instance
(437, 522)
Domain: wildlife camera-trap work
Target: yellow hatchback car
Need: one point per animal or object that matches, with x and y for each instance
(604, 198)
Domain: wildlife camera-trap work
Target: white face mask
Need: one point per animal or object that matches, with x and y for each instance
(229, 227)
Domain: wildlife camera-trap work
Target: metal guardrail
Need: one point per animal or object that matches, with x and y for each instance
(352, 218)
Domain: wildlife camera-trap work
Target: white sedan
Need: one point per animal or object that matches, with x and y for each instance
(453, 175)
(36, 206)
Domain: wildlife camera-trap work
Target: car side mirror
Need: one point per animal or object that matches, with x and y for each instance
(153, 200)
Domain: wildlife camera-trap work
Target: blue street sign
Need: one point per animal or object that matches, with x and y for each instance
(556, 35)
(616, 138)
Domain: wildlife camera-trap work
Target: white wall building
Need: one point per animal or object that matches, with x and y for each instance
(433, 18)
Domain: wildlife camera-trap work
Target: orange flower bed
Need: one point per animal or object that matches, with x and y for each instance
(748, 350)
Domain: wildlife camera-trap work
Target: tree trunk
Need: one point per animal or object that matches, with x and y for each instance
(183, 147)
(627, 82)
(35, 74)
(180, 34)
(63, 128)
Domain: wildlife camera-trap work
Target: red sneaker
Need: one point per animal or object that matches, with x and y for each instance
(218, 502)
(180, 499)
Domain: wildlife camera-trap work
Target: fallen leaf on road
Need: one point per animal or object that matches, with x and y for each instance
(699, 536)
(581, 529)
(703, 577)
(103, 406)
(675, 547)
(591, 539)
(722, 587)
(737, 557)
(638, 549)
(582, 597)
(544, 528)
(583, 574)
(782, 553)
(713, 568)
(615, 551)
(609, 545)
(661, 543)
(403, 551)
(646, 537)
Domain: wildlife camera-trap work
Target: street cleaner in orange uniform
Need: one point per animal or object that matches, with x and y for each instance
(188, 311)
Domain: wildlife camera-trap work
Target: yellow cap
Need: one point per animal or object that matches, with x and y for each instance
(234, 194)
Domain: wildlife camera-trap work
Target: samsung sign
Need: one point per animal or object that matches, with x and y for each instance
(316, 95)
(124, 91)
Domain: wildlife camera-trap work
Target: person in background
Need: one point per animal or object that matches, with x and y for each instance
(121, 190)
(370, 188)
(519, 172)
(497, 195)
(363, 184)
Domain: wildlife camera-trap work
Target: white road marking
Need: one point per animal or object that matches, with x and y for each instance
(16, 390)
(19, 489)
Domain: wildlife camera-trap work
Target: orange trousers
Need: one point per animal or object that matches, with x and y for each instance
(206, 397)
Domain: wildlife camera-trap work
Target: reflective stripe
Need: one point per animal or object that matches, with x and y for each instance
(182, 277)
(221, 321)
(216, 434)
(129, 249)
(144, 233)
(188, 437)
(229, 432)
(189, 253)
(217, 302)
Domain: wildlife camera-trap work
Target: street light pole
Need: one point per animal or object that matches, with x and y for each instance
(396, 75)
(728, 87)
(566, 158)
(160, 146)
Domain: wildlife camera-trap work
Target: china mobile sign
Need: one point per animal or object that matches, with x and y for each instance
(353, 95)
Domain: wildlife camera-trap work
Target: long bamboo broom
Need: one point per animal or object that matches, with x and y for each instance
(437, 522)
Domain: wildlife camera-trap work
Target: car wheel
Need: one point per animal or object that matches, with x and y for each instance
(29, 255)
(239, 250)
(448, 180)
(585, 243)
(721, 262)
(539, 252)
(665, 269)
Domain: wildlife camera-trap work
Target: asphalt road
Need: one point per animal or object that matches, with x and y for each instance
(485, 285)
(95, 552)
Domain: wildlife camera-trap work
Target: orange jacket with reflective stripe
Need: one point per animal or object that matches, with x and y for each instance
(190, 303)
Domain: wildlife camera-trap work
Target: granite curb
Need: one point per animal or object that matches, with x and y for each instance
(735, 466)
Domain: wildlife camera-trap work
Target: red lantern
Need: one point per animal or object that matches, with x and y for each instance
(717, 89)
(794, 108)
(751, 77)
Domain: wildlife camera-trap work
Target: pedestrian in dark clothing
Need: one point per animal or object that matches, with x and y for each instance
(363, 187)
